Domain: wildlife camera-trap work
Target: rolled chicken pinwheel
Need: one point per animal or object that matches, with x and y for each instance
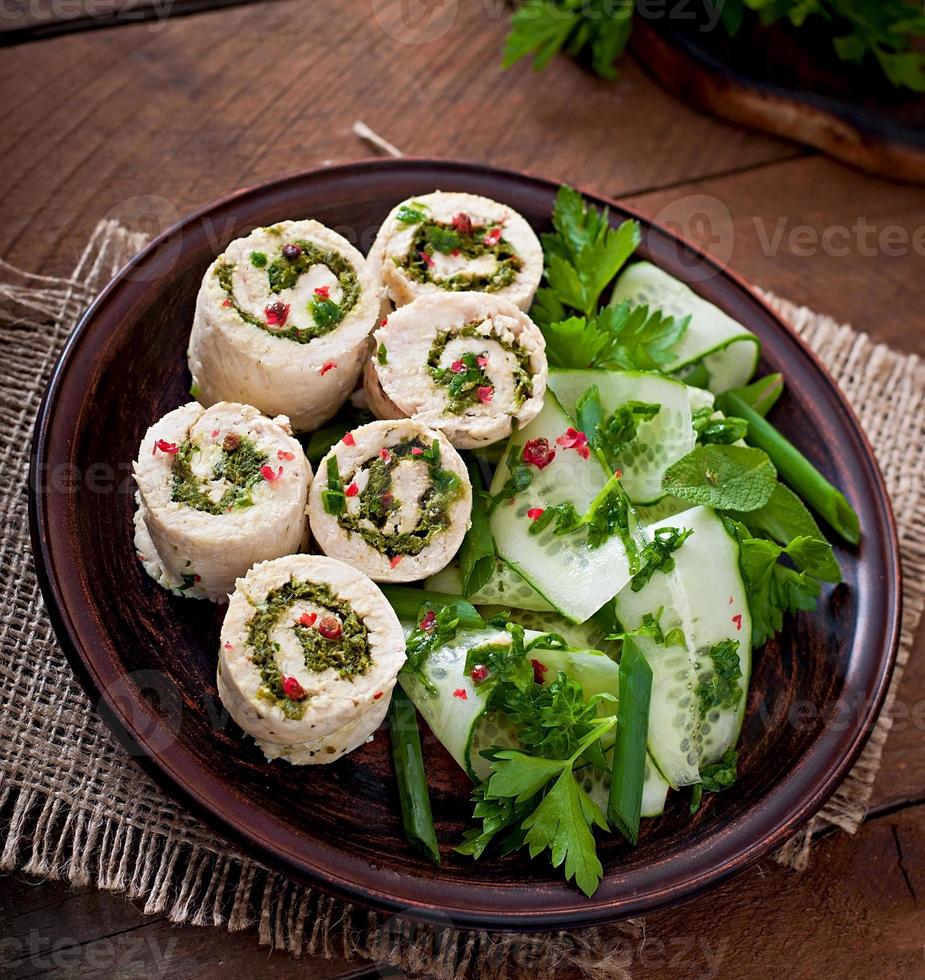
(218, 489)
(310, 649)
(452, 242)
(282, 321)
(393, 499)
(471, 365)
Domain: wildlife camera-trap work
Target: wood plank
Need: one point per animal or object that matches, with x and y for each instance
(817, 233)
(155, 120)
(860, 905)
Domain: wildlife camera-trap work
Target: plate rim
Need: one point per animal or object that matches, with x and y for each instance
(579, 912)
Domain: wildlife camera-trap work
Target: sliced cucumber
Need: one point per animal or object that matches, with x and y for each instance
(659, 442)
(456, 713)
(654, 789)
(705, 598)
(590, 635)
(575, 579)
(726, 351)
(505, 588)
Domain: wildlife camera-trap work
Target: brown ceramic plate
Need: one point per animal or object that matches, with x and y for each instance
(149, 659)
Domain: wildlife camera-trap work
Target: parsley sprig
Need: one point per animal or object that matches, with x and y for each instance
(582, 256)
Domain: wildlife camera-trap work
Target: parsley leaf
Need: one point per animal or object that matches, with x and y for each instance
(562, 825)
(584, 253)
(773, 588)
(724, 477)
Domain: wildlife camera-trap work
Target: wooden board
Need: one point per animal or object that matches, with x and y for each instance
(790, 83)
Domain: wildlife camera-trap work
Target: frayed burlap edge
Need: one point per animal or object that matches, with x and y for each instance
(175, 866)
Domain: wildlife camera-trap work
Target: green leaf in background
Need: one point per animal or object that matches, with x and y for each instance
(596, 29)
(881, 33)
(723, 477)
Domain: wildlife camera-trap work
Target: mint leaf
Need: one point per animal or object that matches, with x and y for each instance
(722, 431)
(724, 477)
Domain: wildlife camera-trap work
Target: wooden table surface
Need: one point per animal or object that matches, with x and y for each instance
(146, 120)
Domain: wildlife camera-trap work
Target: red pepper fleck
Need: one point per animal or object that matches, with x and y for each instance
(292, 251)
(428, 261)
(384, 322)
(417, 451)
(460, 693)
(215, 433)
(229, 646)
(171, 448)
(227, 303)
(348, 440)
(323, 291)
(539, 671)
(197, 578)
(327, 366)
(394, 562)
(384, 454)
(276, 313)
(352, 490)
(429, 620)
(482, 360)
(485, 393)
(268, 473)
(330, 627)
(457, 367)
(737, 619)
(456, 253)
(377, 695)
(493, 237)
(479, 673)
(618, 474)
(573, 439)
(293, 689)
(538, 453)
(535, 513)
(308, 619)
(463, 223)
(283, 454)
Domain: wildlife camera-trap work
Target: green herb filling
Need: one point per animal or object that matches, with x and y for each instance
(348, 653)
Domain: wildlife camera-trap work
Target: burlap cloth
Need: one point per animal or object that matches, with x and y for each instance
(74, 806)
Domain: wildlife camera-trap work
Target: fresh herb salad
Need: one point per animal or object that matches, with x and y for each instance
(560, 541)
(631, 545)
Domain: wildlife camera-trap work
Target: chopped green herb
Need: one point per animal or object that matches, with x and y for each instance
(259, 260)
(332, 497)
(720, 687)
(656, 556)
(382, 354)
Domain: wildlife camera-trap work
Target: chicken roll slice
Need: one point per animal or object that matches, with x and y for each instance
(471, 365)
(281, 322)
(452, 242)
(394, 499)
(218, 489)
(310, 649)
